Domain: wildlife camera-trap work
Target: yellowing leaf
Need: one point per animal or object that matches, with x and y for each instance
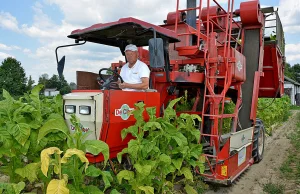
(45, 158)
(79, 153)
(57, 187)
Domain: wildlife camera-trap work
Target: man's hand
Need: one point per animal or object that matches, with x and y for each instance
(122, 85)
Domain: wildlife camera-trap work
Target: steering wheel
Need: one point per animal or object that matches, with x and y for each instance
(108, 81)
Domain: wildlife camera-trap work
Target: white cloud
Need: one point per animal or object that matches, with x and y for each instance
(8, 21)
(82, 14)
(292, 53)
(4, 56)
(289, 11)
(5, 47)
(26, 50)
(8, 48)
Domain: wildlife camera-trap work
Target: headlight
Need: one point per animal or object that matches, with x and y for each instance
(70, 109)
(85, 110)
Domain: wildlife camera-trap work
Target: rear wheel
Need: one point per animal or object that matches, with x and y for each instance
(258, 141)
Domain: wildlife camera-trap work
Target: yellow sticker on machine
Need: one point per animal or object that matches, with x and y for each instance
(224, 170)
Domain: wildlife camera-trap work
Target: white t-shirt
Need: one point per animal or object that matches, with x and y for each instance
(134, 74)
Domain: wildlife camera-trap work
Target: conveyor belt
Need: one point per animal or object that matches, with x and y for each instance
(251, 52)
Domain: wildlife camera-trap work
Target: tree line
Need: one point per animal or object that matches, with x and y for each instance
(13, 79)
(292, 72)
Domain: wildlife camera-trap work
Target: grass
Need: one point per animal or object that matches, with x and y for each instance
(290, 168)
(272, 188)
(294, 107)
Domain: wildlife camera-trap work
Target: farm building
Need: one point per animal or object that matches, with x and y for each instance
(51, 92)
(292, 89)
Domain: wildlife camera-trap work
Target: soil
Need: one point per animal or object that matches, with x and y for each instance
(267, 171)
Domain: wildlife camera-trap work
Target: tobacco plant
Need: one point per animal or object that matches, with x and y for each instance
(164, 148)
(20, 122)
(76, 168)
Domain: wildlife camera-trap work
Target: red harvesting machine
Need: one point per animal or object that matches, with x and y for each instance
(217, 55)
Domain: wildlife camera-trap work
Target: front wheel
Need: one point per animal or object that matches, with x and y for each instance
(258, 141)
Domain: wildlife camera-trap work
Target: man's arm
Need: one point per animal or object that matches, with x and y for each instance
(142, 86)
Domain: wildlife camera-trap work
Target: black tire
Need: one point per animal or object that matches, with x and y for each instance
(258, 141)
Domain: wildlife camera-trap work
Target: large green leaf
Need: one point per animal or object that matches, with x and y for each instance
(120, 154)
(5, 137)
(132, 129)
(107, 178)
(30, 171)
(12, 188)
(23, 149)
(19, 131)
(190, 190)
(152, 126)
(187, 173)
(138, 114)
(196, 150)
(151, 112)
(147, 189)
(177, 163)
(167, 169)
(91, 189)
(92, 171)
(180, 139)
(194, 116)
(55, 124)
(201, 166)
(25, 108)
(96, 146)
(125, 174)
(148, 146)
(143, 170)
(133, 148)
(114, 191)
(7, 96)
(34, 96)
(166, 160)
(169, 111)
(196, 133)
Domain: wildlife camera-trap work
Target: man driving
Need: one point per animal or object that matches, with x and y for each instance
(135, 73)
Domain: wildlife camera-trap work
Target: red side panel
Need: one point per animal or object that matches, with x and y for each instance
(115, 118)
(271, 84)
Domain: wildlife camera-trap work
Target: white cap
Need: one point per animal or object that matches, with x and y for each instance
(131, 47)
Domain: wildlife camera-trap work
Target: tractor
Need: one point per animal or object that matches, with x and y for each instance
(216, 56)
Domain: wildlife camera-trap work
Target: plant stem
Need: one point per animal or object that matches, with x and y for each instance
(58, 159)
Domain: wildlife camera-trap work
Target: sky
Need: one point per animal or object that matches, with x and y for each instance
(31, 30)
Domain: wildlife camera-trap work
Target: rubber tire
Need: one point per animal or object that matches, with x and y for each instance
(259, 130)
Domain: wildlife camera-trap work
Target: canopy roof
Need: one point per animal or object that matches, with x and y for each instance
(122, 32)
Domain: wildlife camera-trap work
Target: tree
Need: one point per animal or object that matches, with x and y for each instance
(288, 71)
(30, 84)
(296, 71)
(55, 82)
(12, 77)
(43, 79)
(73, 86)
